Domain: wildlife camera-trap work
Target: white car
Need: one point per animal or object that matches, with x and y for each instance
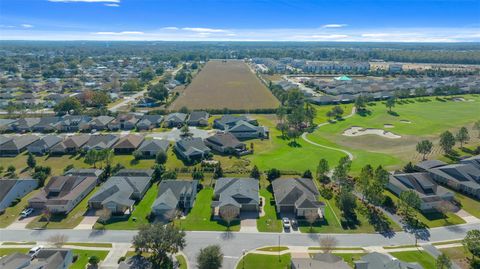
(26, 212)
(286, 223)
(34, 251)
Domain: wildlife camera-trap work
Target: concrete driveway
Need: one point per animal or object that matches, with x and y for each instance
(21, 223)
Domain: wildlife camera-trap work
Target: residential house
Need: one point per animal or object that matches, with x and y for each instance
(377, 260)
(100, 122)
(85, 172)
(71, 144)
(43, 145)
(297, 196)
(46, 258)
(100, 142)
(228, 121)
(73, 123)
(119, 193)
(192, 148)
(226, 143)
(151, 147)
(239, 194)
(245, 130)
(431, 195)
(46, 124)
(198, 118)
(175, 120)
(320, 260)
(124, 122)
(13, 189)
(174, 194)
(5, 124)
(24, 125)
(63, 193)
(4, 139)
(128, 143)
(148, 122)
(17, 145)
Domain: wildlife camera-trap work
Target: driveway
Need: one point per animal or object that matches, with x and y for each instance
(87, 223)
(21, 223)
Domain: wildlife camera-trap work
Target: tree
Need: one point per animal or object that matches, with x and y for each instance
(282, 127)
(47, 214)
(185, 131)
(11, 170)
(273, 174)
(31, 162)
(310, 113)
(100, 99)
(322, 169)
(159, 240)
(94, 260)
(337, 112)
(476, 126)
(390, 103)
(210, 257)
(91, 157)
(161, 157)
(138, 155)
(197, 174)
(158, 171)
(68, 105)
(158, 91)
(424, 147)
(218, 171)
(311, 217)
(228, 214)
(255, 173)
(147, 74)
(132, 85)
(328, 243)
(471, 242)
(347, 203)
(58, 240)
(293, 134)
(169, 174)
(364, 180)
(281, 113)
(462, 136)
(447, 141)
(360, 103)
(307, 174)
(409, 168)
(409, 201)
(340, 173)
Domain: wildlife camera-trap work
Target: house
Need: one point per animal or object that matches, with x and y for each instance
(174, 194)
(245, 130)
(175, 120)
(228, 121)
(73, 123)
(151, 147)
(100, 122)
(377, 260)
(226, 143)
(297, 196)
(63, 193)
(128, 144)
(320, 260)
(5, 124)
(239, 194)
(24, 124)
(86, 172)
(431, 195)
(43, 145)
(46, 258)
(148, 122)
(100, 142)
(13, 189)
(119, 193)
(123, 122)
(192, 148)
(17, 145)
(4, 139)
(46, 124)
(71, 144)
(198, 118)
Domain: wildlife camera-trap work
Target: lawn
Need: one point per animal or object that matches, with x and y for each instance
(433, 220)
(273, 249)
(60, 221)
(351, 257)
(269, 222)
(418, 256)
(96, 245)
(8, 251)
(255, 261)
(138, 216)
(459, 255)
(470, 205)
(182, 262)
(84, 255)
(12, 213)
(200, 217)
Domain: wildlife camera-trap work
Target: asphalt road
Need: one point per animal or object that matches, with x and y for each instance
(233, 244)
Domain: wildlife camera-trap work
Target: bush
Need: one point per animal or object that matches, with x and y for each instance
(161, 157)
(121, 259)
(137, 155)
(273, 174)
(93, 260)
(74, 258)
(326, 193)
(68, 167)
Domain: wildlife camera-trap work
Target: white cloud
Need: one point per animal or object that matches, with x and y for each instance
(84, 1)
(204, 30)
(111, 5)
(26, 25)
(322, 37)
(170, 28)
(333, 25)
(121, 33)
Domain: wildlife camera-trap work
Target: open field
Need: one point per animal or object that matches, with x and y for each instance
(228, 84)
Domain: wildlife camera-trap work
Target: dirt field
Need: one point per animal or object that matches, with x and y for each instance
(228, 84)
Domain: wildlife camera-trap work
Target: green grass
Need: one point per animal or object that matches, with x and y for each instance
(421, 257)
(273, 249)
(470, 205)
(400, 246)
(18, 243)
(350, 257)
(182, 262)
(84, 255)
(138, 216)
(341, 248)
(447, 242)
(255, 261)
(60, 221)
(12, 213)
(269, 222)
(96, 245)
(8, 251)
(200, 217)
(459, 255)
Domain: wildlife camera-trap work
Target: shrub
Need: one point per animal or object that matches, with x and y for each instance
(123, 258)
(93, 260)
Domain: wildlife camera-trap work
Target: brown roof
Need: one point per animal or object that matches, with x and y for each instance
(129, 141)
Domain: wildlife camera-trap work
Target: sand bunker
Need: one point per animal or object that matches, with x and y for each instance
(388, 125)
(458, 99)
(358, 131)
(405, 121)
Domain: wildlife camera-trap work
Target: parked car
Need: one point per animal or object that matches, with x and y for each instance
(26, 212)
(286, 223)
(294, 224)
(34, 251)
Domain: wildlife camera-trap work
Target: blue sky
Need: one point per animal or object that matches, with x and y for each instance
(295, 20)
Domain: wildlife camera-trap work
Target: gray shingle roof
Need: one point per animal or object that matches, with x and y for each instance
(301, 192)
(237, 191)
(169, 192)
(154, 145)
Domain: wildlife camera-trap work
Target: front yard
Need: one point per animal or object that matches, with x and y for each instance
(270, 222)
(84, 255)
(12, 213)
(421, 257)
(256, 261)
